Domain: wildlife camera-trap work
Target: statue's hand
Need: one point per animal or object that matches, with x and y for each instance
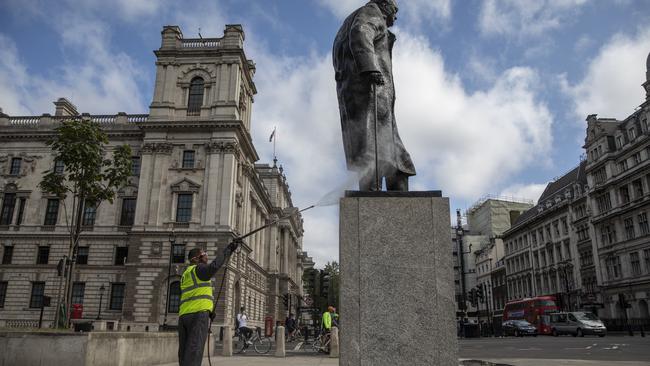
(376, 78)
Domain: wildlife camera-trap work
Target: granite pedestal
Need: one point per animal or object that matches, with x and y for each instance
(397, 288)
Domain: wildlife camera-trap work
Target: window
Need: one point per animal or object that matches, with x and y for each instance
(635, 263)
(184, 208)
(90, 212)
(82, 255)
(646, 259)
(78, 289)
(195, 100)
(637, 158)
(622, 166)
(613, 267)
(565, 227)
(36, 299)
(135, 165)
(8, 254)
(625, 195)
(608, 234)
(178, 253)
(59, 167)
(637, 187)
(121, 254)
(643, 224)
(629, 228)
(43, 255)
(619, 142)
(631, 133)
(604, 203)
(188, 159)
(117, 296)
(3, 293)
(51, 212)
(15, 166)
(128, 212)
(21, 211)
(8, 204)
(174, 301)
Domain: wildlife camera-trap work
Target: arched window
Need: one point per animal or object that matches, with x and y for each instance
(174, 302)
(195, 100)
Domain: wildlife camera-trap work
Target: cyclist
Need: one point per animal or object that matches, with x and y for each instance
(244, 330)
(290, 323)
(327, 322)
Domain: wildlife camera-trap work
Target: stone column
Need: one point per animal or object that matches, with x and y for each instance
(279, 342)
(397, 286)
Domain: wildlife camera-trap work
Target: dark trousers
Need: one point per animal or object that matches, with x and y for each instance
(192, 334)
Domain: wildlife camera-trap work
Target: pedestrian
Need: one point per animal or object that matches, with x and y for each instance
(197, 304)
(244, 330)
(290, 323)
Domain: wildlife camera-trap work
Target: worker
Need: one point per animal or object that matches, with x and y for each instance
(197, 304)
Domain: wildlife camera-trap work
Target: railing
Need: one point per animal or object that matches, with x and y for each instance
(25, 120)
(29, 121)
(200, 42)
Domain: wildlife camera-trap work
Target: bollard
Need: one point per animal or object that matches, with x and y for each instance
(334, 343)
(279, 342)
(227, 342)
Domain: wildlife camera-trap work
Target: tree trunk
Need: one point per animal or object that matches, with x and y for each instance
(74, 245)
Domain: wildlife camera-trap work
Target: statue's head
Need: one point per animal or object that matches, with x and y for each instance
(389, 8)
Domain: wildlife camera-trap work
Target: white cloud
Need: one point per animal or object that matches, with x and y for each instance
(524, 191)
(13, 80)
(463, 143)
(414, 11)
(612, 84)
(526, 17)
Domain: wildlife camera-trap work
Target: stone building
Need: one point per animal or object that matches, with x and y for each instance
(588, 240)
(618, 171)
(541, 247)
(194, 183)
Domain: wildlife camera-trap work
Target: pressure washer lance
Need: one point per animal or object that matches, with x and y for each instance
(233, 246)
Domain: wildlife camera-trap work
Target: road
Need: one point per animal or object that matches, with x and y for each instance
(610, 348)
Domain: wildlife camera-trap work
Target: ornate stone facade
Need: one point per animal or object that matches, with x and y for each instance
(194, 183)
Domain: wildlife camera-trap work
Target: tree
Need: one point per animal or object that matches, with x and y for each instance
(88, 179)
(333, 269)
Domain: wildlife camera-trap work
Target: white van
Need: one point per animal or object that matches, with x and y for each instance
(577, 323)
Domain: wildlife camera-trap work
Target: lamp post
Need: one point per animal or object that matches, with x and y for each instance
(101, 296)
(172, 242)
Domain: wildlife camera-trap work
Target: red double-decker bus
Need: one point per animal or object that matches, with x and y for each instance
(534, 310)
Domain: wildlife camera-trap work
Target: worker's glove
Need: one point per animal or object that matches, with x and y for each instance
(375, 78)
(232, 247)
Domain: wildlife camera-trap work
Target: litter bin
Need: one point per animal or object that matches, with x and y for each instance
(77, 311)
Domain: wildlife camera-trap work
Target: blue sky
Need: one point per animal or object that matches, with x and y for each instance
(492, 94)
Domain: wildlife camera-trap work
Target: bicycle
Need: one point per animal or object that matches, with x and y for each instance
(262, 345)
(322, 342)
(296, 336)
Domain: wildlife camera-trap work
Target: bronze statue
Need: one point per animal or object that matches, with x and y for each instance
(362, 57)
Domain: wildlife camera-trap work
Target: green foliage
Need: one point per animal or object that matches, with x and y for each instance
(81, 146)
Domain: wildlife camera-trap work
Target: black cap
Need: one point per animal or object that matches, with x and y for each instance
(194, 253)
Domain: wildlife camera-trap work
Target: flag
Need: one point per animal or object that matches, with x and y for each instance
(272, 136)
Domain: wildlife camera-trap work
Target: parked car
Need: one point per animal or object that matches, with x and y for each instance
(577, 323)
(518, 328)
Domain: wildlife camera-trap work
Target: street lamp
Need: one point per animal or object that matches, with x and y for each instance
(101, 296)
(172, 242)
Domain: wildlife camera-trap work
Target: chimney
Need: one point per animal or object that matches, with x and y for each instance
(64, 108)
(233, 36)
(171, 37)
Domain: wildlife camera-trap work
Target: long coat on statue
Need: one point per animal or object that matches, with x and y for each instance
(364, 44)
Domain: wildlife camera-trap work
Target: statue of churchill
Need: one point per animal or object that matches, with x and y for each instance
(362, 56)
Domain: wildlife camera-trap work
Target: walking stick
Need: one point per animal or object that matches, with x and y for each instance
(377, 181)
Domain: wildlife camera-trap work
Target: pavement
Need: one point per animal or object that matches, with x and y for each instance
(613, 350)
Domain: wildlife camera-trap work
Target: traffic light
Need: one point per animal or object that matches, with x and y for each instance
(472, 297)
(285, 301)
(479, 292)
(324, 284)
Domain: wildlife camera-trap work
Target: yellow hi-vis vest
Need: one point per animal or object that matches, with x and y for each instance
(196, 295)
(327, 320)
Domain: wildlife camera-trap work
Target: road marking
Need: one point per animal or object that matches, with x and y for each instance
(297, 347)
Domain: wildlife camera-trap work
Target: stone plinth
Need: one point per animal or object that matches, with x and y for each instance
(397, 288)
